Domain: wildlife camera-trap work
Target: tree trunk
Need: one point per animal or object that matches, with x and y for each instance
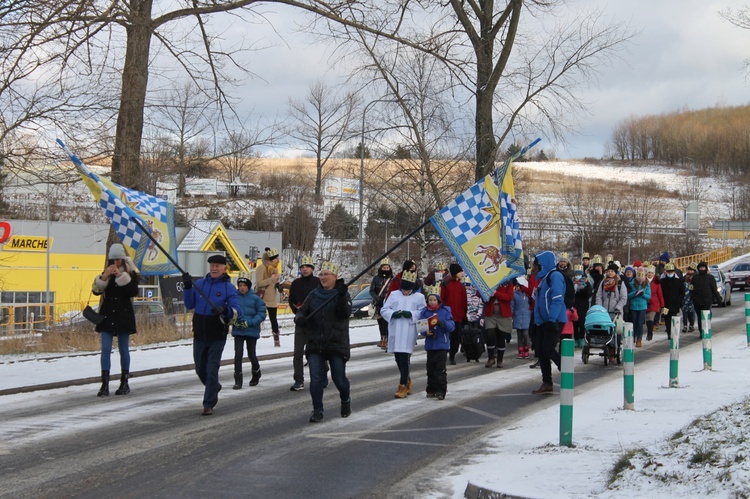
(126, 156)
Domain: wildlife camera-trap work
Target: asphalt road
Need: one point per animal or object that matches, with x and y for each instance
(154, 443)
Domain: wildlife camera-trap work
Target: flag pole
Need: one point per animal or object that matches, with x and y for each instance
(136, 219)
(366, 269)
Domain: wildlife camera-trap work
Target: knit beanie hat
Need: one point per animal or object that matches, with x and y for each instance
(664, 257)
(455, 269)
(613, 266)
(117, 252)
(637, 263)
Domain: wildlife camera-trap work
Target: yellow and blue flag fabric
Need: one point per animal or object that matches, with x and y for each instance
(130, 212)
(481, 229)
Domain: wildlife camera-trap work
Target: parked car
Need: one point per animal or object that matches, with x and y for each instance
(739, 276)
(724, 288)
(361, 304)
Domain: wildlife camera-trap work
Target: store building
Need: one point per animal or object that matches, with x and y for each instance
(47, 268)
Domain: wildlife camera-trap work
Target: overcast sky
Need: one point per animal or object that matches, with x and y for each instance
(686, 56)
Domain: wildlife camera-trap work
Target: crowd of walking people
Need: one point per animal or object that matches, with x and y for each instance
(546, 305)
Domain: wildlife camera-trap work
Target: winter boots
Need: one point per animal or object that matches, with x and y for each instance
(638, 343)
(124, 389)
(409, 387)
(104, 390)
(346, 408)
(237, 381)
(276, 341)
(545, 389)
(254, 379)
(490, 362)
(523, 352)
(500, 354)
(401, 393)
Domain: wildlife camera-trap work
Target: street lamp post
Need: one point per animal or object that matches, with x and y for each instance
(360, 238)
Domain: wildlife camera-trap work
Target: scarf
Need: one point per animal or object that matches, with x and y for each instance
(433, 309)
(609, 284)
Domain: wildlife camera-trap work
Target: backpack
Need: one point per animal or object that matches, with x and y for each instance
(570, 290)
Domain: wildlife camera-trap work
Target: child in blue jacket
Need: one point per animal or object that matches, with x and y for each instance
(437, 342)
(246, 330)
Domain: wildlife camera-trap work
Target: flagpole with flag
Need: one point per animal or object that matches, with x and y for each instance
(143, 223)
(481, 229)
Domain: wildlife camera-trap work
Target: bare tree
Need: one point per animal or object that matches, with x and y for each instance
(741, 19)
(519, 61)
(238, 158)
(182, 120)
(322, 123)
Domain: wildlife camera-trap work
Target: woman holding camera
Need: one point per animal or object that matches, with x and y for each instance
(117, 285)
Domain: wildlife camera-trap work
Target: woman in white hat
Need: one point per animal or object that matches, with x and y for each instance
(117, 286)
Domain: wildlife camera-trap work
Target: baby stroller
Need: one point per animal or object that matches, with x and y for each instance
(600, 333)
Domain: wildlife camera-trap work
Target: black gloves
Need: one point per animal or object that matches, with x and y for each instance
(300, 320)
(406, 314)
(187, 280)
(397, 314)
(219, 310)
(341, 288)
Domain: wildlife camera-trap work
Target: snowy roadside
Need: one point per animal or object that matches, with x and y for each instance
(674, 459)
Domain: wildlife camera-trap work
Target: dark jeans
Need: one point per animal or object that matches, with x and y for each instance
(637, 316)
(383, 327)
(549, 337)
(207, 358)
(298, 359)
(437, 375)
(272, 317)
(495, 343)
(317, 365)
(122, 347)
(239, 345)
(455, 338)
(403, 360)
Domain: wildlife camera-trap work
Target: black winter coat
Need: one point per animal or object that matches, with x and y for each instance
(673, 290)
(300, 288)
(704, 290)
(328, 328)
(117, 306)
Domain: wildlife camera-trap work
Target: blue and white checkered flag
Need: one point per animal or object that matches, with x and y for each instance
(123, 207)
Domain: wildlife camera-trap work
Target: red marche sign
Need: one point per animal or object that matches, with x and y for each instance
(5, 227)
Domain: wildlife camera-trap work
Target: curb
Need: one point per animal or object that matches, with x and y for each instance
(146, 372)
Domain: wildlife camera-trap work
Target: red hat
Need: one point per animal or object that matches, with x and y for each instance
(637, 263)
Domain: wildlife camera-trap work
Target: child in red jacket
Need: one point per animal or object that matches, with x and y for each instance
(567, 332)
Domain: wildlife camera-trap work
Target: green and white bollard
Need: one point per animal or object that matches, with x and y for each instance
(706, 336)
(628, 364)
(674, 353)
(567, 351)
(747, 317)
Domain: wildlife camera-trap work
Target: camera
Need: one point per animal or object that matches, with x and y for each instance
(110, 262)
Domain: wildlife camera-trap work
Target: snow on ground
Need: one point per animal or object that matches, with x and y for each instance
(525, 458)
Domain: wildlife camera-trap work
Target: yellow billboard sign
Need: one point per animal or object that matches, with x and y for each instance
(27, 243)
